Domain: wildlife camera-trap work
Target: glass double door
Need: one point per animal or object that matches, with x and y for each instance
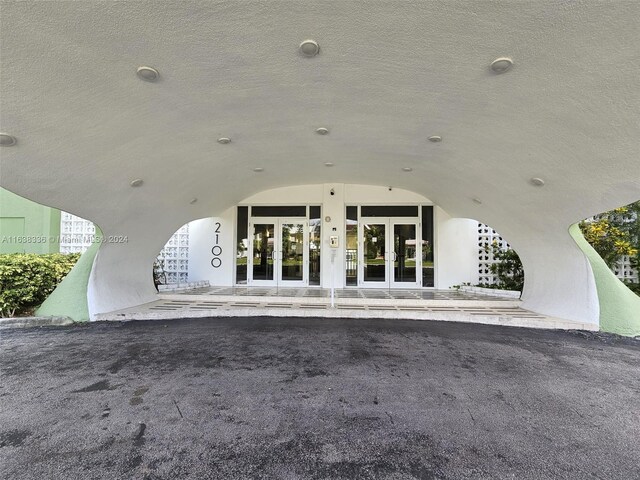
(389, 257)
(279, 251)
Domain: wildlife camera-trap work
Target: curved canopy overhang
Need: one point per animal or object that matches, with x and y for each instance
(388, 76)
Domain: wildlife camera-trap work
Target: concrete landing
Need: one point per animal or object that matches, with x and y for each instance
(443, 306)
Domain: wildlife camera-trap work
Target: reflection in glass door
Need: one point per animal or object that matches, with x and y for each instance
(389, 257)
(279, 252)
(263, 252)
(405, 258)
(374, 245)
(292, 251)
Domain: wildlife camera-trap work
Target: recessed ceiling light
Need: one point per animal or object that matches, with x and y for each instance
(538, 182)
(193, 200)
(7, 140)
(407, 169)
(258, 169)
(435, 138)
(328, 164)
(478, 201)
(137, 182)
(322, 131)
(148, 74)
(501, 65)
(309, 48)
(224, 140)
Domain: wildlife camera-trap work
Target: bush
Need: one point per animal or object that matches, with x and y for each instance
(634, 287)
(508, 269)
(27, 279)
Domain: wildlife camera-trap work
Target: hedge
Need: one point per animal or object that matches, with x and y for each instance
(27, 279)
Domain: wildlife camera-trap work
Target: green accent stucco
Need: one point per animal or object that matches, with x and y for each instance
(619, 306)
(69, 299)
(26, 226)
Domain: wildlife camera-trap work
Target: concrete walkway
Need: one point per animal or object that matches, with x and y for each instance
(442, 305)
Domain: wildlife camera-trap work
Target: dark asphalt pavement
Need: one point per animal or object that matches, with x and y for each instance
(266, 398)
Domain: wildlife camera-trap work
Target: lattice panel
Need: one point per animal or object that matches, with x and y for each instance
(175, 257)
(77, 235)
(486, 237)
(624, 271)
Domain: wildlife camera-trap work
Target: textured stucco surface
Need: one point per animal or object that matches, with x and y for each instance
(389, 74)
(40, 224)
(69, 299)
(619, 306)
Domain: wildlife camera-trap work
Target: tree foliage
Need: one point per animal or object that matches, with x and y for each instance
(615, 234)
(27, 279)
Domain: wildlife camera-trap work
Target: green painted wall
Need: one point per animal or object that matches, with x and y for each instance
(619, 306)
(69, 299)
(26, 226)
(39, 229)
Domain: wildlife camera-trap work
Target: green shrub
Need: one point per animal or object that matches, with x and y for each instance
(507, 269)
(634, 287)
(27, 279)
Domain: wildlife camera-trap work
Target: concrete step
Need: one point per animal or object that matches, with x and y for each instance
(469, 312)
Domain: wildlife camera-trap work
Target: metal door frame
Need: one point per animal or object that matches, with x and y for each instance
(276, 256)
(390, 254)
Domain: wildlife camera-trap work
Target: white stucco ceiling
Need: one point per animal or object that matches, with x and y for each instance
(389, 74)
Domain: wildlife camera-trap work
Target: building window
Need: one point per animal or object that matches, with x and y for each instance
(242, 244)
(279, 211)
(315, 243)
(389, 210)
(351, 247)
(428, 264)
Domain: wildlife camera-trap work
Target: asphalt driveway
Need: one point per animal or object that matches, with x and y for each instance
(319, 399)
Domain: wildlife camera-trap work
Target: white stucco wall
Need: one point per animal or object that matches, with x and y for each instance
(213, 238)
(456, 250)
(455, 239)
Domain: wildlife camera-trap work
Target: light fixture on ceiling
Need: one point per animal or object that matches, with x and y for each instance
(477, 200)
(538, 182)
(435, 138)
(137, 182)
(328, 164)
(224, 140)
(258, 169)
(148, 74)
(407, 169)
(193, 200)
(7, 140)
(309, 48)
(501, 65)
(322, 131)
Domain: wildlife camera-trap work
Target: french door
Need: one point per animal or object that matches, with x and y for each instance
(279, 252)
(389, 257)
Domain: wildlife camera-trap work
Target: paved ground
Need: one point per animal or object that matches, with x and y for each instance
(320, 399)
(341, 293)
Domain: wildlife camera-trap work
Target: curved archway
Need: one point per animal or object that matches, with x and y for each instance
(58, 249)
(609, 240)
